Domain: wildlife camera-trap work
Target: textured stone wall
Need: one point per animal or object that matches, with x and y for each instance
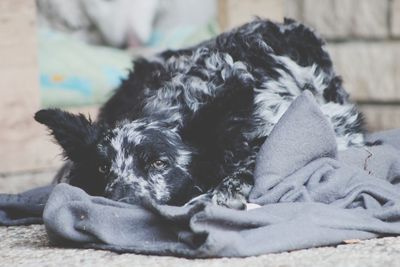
(233, 13)
(363, 38)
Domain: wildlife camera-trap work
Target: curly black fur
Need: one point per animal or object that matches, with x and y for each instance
(192, 120)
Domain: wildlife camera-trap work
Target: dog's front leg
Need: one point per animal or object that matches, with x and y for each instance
(234, 190)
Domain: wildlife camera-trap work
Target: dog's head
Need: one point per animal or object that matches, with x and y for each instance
(135, 159)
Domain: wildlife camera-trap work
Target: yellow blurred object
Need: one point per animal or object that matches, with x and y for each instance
(57, 78)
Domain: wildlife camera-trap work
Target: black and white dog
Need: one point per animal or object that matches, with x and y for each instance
(191, 121)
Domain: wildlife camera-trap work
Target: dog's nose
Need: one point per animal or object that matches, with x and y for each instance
(114, 192)
(121, 193)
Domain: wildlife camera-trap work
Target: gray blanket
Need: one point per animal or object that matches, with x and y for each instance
(309, 195)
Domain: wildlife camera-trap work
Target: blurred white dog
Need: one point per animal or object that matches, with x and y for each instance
(118, 23)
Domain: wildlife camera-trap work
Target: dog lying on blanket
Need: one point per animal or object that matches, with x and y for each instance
(190, 122)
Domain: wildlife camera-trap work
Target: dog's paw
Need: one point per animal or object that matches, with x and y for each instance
(203, 198)
(229, 200)
(232, 193)
(220, 198)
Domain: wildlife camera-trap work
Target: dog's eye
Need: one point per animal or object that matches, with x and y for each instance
(158, 164)
(104, 169)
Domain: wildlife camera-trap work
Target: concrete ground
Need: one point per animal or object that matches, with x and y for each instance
(28, 246)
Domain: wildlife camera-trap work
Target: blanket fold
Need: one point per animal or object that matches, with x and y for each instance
(310, 194)
(25, 208)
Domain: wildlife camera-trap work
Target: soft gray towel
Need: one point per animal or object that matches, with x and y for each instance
(25, 208)
(310, 195)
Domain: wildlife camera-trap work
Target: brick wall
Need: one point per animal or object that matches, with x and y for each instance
(363, 38)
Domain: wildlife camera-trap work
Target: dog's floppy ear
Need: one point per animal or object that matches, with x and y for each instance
(76, 134)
